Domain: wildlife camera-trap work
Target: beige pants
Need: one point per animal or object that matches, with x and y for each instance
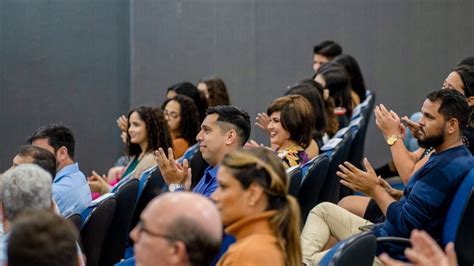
(325, 220)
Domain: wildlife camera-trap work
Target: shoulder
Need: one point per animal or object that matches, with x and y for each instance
(255, 250)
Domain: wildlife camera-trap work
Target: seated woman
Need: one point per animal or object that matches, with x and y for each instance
(357, 84)
(252, 196)
(334, 78)
(188, 89)
(147, 131)
(319, 120)
(290, 129)
(215, 91)
(183, 121)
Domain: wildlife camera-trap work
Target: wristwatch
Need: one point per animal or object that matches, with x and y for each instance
(392, 139)
(175, 187)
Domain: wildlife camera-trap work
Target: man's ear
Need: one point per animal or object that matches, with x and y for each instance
(179, 253)
(231, 137)
(452, 126)
(62, 153)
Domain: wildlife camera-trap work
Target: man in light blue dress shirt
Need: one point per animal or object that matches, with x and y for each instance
(70, 189)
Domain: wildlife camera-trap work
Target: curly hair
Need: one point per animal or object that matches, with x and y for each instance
(189, 125)
(157, 130)
(217, 92)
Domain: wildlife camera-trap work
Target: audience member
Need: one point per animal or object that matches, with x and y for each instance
(253, 199)
(332, 121)
(325, 52)
(215, 91)
(224, 129)
(36, 155)
(333, 77)
(429, 191)
(189, 234)
(311, 93)
(357, 84)
(192, 92)
(183, 121)
(70, 190)
(147, 131)
(42, 238)
(289, 128)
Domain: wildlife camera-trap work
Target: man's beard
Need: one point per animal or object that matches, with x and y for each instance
(432, 141)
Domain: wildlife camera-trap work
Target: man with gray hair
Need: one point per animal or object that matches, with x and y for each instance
(26, 186)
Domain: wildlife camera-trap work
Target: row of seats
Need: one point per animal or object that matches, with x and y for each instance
(316, 181)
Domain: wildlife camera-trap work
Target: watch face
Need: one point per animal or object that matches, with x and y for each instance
(391, 140)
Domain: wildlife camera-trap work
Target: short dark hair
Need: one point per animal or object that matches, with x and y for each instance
(453, 105)
(328, 48)
(234, 116)
(467, 61)
(201, 248)
(189, 125)
(58, 135)
(466, 73)
(42, 238)
(295, 112)
(41, 157)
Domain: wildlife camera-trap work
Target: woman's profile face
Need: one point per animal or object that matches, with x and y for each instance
(231, 199)
(202, 87)
(278, 135)
(454, 82)
(137, 129)
(172, 114)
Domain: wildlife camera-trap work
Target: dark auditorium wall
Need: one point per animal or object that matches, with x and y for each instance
(84, 62)
(65, 61)
(405, 48)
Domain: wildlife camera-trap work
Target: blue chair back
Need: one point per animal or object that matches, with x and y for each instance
(358, 250)
(294, 174)
(308, 193)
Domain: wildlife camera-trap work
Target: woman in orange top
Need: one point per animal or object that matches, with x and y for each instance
(252, 197)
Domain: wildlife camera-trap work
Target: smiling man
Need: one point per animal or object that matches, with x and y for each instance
(426, 197)
(224, 129)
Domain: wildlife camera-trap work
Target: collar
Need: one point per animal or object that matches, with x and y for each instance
(211, 172)
(255, 224)
(67, 170)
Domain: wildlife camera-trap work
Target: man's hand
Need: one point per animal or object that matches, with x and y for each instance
(388, 122)
(358, 180)
(424, 252)
(414, 127)
(171, 171)
(395, 193)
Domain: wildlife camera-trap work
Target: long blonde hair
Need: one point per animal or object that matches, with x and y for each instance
(263, 167)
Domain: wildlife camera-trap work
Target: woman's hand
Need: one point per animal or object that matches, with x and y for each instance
(262, 121)
(122, 123)
(98, 183)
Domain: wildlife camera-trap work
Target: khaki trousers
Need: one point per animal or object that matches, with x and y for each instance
(325, 220)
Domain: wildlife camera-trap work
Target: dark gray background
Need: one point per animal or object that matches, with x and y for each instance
(84, 62)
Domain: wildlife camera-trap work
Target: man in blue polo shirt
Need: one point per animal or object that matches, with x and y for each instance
(224, 129)
(71, 192)
(426, 197)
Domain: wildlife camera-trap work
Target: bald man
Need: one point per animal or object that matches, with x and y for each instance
(180, 228)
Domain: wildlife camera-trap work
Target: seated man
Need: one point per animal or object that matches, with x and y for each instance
(36, 155)
(426, 196)
(42, 238)
(70, 189)
(189, 234)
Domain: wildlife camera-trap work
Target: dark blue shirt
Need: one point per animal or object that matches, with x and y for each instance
(208, 183)
(426, 197)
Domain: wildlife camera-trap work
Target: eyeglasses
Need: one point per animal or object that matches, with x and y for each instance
(171, 114)
(142, 229)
